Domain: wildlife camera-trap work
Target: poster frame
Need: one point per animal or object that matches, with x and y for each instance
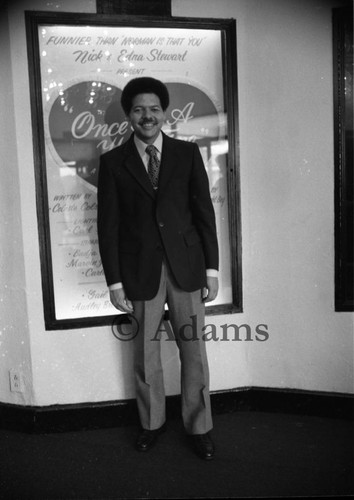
(227, 28)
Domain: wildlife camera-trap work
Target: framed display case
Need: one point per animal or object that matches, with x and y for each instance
(343, 157)
(78, 65)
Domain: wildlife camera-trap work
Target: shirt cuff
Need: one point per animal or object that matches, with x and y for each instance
(115, 286)
(212, 273)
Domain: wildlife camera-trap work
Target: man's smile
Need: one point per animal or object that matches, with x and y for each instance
(148, 124)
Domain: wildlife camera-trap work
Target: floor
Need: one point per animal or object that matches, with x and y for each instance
(258, 454)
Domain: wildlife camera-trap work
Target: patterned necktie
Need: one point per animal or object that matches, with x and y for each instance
(153, 166)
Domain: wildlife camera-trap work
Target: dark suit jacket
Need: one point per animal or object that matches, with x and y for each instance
(137, 226)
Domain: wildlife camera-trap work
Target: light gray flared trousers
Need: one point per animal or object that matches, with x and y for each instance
(187, 313)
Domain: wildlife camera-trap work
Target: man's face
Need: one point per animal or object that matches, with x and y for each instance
(146, 117)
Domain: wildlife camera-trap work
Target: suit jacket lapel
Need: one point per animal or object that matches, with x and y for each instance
(169, 162)
(136, 168)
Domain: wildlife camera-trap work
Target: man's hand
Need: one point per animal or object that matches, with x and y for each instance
(120, 301)
(211, 290)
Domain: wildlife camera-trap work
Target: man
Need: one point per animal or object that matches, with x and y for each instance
(158, 244)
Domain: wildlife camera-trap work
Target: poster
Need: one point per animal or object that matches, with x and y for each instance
(83, 69)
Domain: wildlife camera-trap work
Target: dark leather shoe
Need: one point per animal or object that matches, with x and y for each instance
(204, 446)
(147, 438)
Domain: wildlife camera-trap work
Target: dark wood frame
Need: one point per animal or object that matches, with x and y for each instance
(343, 160)
(155, 8)
(228, 29)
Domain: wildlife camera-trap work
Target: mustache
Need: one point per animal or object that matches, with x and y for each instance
(146, 121)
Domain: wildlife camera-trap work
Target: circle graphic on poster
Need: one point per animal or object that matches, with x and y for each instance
(191, 114)
(86, 120)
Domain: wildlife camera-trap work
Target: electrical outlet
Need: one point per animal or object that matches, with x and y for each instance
(16, 381)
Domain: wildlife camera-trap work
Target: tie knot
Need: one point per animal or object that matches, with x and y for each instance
(151, 150)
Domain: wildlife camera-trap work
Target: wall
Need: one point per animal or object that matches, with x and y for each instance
(286, 137)
(14, 329)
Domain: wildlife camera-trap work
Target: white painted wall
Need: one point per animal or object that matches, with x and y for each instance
(14, 331)
(286, 135)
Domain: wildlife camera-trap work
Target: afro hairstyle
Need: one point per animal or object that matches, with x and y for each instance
(144, 85)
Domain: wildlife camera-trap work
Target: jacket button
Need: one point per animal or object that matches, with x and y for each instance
(161, 224)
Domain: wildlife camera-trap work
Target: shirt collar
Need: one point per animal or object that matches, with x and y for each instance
(141, 146)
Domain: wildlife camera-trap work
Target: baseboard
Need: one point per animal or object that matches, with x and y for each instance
(66, 418)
